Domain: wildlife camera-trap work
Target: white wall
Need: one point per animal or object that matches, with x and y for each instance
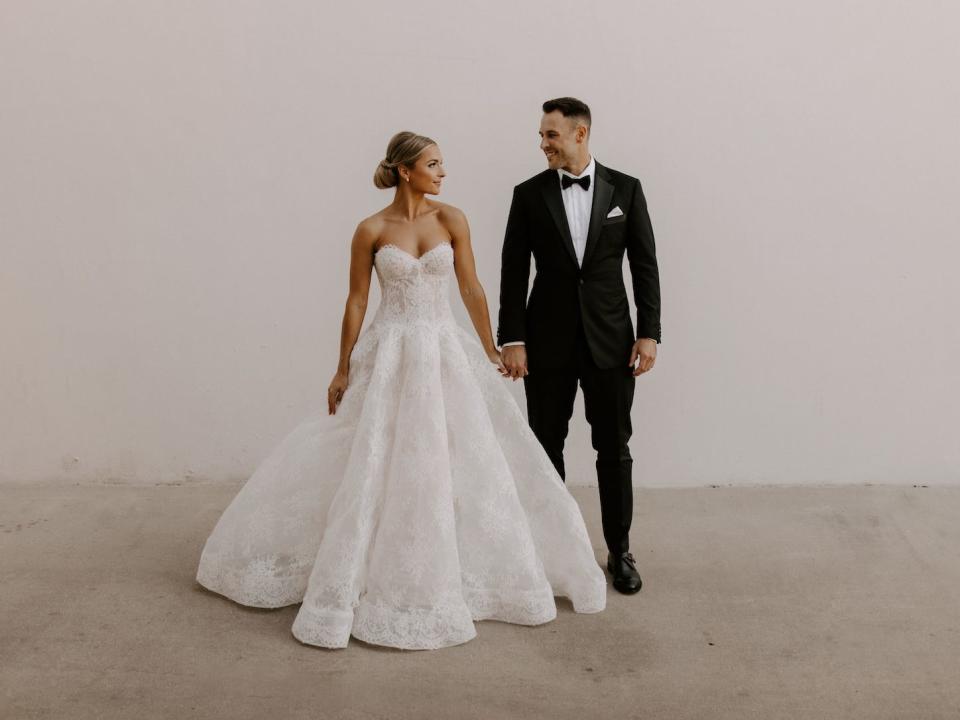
(179, 182)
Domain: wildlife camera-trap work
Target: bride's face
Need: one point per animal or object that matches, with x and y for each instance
(427, 173)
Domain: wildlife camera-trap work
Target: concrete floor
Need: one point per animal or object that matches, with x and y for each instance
(757, 603)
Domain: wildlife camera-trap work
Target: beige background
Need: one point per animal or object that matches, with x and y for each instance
(179, 182)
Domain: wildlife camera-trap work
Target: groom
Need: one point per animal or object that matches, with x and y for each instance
(576, 219)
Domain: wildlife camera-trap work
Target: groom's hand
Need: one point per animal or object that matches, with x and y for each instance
(644, 350)
(514, 359)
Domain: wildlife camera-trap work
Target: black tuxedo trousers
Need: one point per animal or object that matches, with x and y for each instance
(607, 399)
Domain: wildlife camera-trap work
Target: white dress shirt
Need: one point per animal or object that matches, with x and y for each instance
(576, 204)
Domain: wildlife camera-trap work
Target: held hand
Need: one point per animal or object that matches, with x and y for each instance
(494, 357)
(644, 350)
(338, 386)
(515, 361)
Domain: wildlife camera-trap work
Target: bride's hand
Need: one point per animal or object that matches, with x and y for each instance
(494, 357)
(338, 386)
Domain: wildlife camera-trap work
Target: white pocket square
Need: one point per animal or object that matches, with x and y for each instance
(616, 212)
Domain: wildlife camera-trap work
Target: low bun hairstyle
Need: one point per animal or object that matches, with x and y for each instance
(403, 149)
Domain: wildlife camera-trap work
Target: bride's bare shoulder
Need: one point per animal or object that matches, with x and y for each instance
(369, 230)
(452, 217)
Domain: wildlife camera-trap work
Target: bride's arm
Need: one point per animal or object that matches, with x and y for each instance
(471, 291)
(361, 266)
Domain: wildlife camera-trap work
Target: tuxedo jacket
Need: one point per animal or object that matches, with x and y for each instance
(564, 294)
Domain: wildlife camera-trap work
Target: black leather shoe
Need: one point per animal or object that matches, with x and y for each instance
(623, 567)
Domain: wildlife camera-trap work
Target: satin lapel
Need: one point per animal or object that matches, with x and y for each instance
(602, 194)
(551, 193)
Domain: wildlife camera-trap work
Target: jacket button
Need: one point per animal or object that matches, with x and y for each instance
(581, 281)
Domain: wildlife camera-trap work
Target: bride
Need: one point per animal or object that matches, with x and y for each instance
(420, 501)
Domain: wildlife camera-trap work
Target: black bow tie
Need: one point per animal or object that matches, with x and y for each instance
(566, 181)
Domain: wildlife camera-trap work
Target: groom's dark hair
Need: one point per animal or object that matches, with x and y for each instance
(569, 107)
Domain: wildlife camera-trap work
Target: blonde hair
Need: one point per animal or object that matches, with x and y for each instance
(403, 149)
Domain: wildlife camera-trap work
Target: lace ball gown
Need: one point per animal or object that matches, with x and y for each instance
(425, 503)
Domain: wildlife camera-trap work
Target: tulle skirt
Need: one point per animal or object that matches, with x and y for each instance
(426, 503)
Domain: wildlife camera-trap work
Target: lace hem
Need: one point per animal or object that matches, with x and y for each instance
(533, 607)
(593, 601)
(444, 625)
(249, 585)
(379, 624)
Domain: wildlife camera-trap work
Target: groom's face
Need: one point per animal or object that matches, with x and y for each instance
(562, 139)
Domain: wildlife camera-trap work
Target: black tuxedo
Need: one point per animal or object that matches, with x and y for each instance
(576, 324)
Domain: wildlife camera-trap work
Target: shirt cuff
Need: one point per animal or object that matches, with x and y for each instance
(515, 342)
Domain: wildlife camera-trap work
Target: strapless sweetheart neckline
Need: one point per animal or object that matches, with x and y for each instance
(410, 255)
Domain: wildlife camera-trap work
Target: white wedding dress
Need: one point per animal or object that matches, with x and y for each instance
(425, 503)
